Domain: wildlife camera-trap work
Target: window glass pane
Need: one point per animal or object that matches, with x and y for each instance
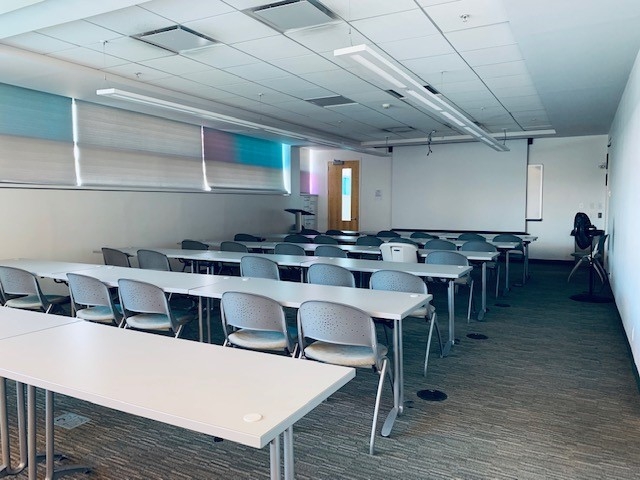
(346, 194)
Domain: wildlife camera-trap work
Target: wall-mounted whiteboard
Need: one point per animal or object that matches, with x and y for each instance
(464, 186)
(534, 192)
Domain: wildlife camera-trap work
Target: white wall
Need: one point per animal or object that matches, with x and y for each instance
(572, 182)
(623, 222)
(375, 174)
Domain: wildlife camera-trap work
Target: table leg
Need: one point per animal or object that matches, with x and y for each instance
(484, 292)
(452, 320)
(398, 383)
(506, 274)
(31, 433)
(5, 468)
(288, 454)
(526, 262)
(274, 457)
(200, 328)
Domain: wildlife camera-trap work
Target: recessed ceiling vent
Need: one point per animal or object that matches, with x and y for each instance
(176, 39)
(398, 130)
(335, 101)
(292, 14)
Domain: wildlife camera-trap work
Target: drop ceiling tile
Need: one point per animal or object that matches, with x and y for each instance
(130, 21)
(482, 37)
(215, 77)
(295, 86)
(256, 71)
(80, 33)
(16, 5)
(88, 57)
(231, 27)
(530, 102)
(272, 48)
(440, 80)
(244, 4)
(220, 56)
(130, 49)
(488, 56)
(356, 9)
(181, 12)
(36, 42)
(419, 47)
(506, 92)
(470, 100)
(305, 64)
(340, 82)
(184, 85)
(175, 64)
(396, 26)
(502, 69)
(137, 72)
(256, 92)
(449, 16)
(470, 86)
(509, 81)
(437, 64)
(428, 3)
(328, 38)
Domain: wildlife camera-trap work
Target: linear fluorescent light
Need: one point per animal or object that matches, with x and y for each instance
(385, 69)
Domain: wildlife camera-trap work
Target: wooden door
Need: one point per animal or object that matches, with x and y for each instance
(343, 185)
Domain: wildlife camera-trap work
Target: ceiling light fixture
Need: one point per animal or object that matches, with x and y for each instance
(392, 74)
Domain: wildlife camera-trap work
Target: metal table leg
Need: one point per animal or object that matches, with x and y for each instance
(484, 292)
(288, 454)
(452, 320)
(274, 457)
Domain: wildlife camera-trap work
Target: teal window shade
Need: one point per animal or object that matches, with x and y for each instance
(123, 149)
(237, 162)
(36, 137)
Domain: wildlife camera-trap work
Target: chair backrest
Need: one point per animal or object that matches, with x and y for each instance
(369, 240)
(115, 257)
(508, 237)
(255, 312)
(478, 246)
(194, 245)
(329, 251)
(439, 244)
(387, 234)
(397, 281)
(335, 323)
(599, 248)
(471, 236)
(297, 238)
(309, 231)
(229, 246)
(152, 260)
(421, 235)
(405, 240)
(325, 239)
(399, 252)
(445, 257)
(327, 274)
(334, 232)
(90, 292)
(259, 267)
(15, 281)
(142, 297)
(289, 249)
(245, 237)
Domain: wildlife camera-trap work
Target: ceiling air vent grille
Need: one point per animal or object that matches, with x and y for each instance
(292, 14)
(335, 101)
(176, 39)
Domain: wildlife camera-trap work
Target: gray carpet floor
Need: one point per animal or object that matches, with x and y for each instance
(550, 394)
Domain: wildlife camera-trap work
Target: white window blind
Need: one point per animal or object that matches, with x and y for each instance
(36, 137)
(119, 148)
(237, 162)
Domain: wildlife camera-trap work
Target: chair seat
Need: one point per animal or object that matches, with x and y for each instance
(258, 339)
(423, 312)
(149, 321)
(96, 314)
(32, 302)
(347, 355)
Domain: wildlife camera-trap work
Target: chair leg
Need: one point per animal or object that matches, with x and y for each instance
(497, 279)
(470, 301)
(575, 267)
(433, 323)
(376, 409)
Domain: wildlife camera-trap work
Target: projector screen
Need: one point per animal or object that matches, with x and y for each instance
(463, 186)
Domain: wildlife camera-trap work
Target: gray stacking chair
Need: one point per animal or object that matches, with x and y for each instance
(342, 335)
(152, 260)
(254, 322)
(229, 246)
(325, 239)
(472, 236)
(259, 267)
(309, 231)
(115, 257)
(593, 258)
(518, 251)
(397, 281)
(440, 244)
(297, 238)
(92, 300)
(405, 240)
(422, 235)
(399, 252)
(21, 289)
(145, 307)
(327, 274)
(289, 249)
(387, 234)
(246, 237)
(194, 245)
(329, 251)
(454, 258)
(334, 232)
(484, 246)
(369, 240)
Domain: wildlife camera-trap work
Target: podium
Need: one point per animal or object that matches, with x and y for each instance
(298, 212)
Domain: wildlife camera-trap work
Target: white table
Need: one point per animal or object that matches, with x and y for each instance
(14, 323)
(380, 304)
(218, 398)
(308, 247)
(47, 268)
(482, 257)
(446, 272)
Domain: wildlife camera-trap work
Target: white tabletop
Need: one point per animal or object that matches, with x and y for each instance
(309, 247)
(148, 381)
(471, 255)
(14, 322)
(419, 269)
(379, 304)
(48, 268)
